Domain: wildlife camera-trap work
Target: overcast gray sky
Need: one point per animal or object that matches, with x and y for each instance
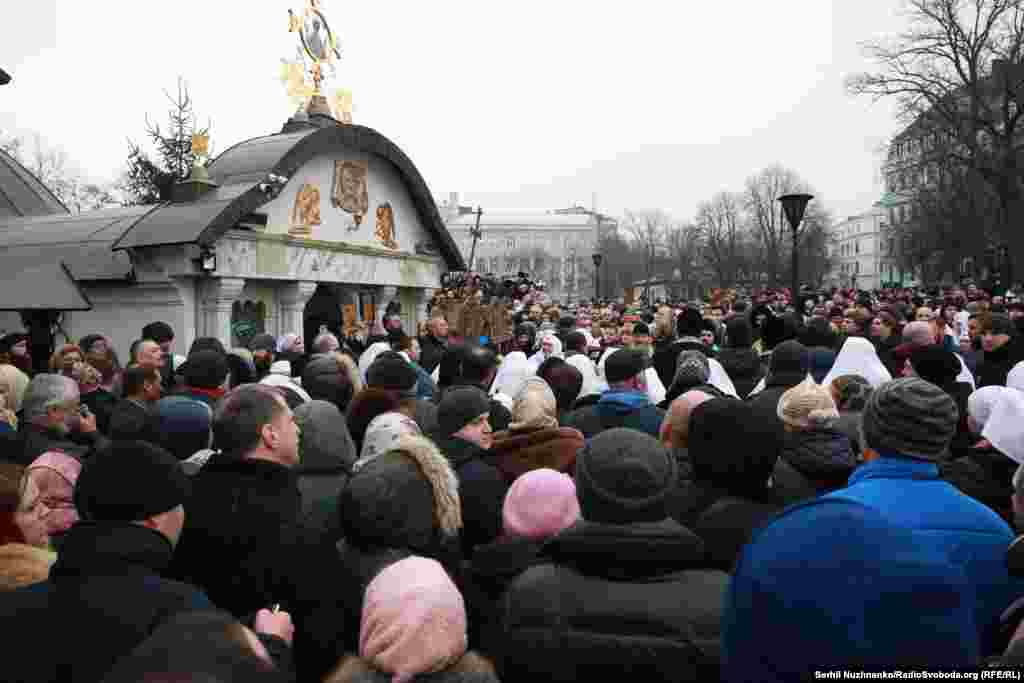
(648, 103)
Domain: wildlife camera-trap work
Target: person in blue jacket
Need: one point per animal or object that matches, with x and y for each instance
(907, 426)
(832, 585)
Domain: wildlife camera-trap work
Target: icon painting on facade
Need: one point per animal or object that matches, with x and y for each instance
(350, 188)
(306, 212)
(386, 226)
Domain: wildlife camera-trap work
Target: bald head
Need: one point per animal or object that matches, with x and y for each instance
(675, 429)
(919, 333)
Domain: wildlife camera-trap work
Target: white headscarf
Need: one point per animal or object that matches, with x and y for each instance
(999, 412)
(655, 389)
(965, 375)
(539, 357)
(286, 382)
(1015, 378)
(591, 382)
(370, 355)
(858, 357)
(383, 433)
(720, 379)
(512, 372)
(962, 321)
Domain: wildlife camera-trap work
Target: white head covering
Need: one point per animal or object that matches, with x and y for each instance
(999, 412)
(281, 367)
(370, 355)
(1015, 378)
(513, 371)
(286, 382)
(965, 375)
(655, 389)
(720, 379)
(383, 433)
(539, 357)
(858, 357)
(962, 321)
(591, 382)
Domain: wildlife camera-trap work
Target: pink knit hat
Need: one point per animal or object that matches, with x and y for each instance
(540, 504)
(414, 620)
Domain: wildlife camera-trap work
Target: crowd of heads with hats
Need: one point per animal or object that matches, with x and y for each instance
(822, 472)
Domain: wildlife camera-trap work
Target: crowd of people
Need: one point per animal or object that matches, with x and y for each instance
(753, 487)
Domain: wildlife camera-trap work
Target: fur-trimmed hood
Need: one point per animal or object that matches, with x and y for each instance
(23, 565)
(516, 453)
(405, 498)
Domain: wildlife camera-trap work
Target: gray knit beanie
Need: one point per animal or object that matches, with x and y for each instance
(624, 476)
(909, 417)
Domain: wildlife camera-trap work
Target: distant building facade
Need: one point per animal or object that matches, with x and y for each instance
(555, 246)
(862, 252)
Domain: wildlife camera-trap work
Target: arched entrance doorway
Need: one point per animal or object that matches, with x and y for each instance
(323, 310)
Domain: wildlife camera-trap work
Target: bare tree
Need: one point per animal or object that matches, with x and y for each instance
(721, 230)
(768, 225)
(50, 165)
(684, 251)
(648, 230)
(956, 76)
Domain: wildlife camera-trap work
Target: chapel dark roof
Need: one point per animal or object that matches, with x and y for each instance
(22, 194)
(57, 247)
(241, 169)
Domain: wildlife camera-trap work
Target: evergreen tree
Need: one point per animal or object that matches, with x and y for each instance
(149, 180)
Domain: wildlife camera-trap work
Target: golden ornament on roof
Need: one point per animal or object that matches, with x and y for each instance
(200, 144)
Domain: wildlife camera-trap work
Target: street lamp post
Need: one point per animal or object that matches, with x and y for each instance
(794, 205)
(475, 233)
(597, 257)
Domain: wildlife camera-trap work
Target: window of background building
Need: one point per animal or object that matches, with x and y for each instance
(858, 246)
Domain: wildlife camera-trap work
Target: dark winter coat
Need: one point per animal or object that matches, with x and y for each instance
(326, 458)
(516, 453)
(629, 602)
(765, 403)
(996, 365)
(132, 420)
(105, 595)
(985, 475)
(849, 424)
(482, 490)
(487, 576)
(884, 348)
(812, 463)
(617, 409)
(743, 367)
(724, 520)
(101, 402)
(248, 546)
(38, 441)
(431, 350)
(725, 496)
